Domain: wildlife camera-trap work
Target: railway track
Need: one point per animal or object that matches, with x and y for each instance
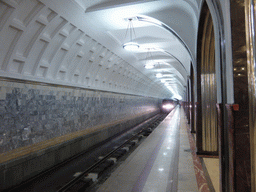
(83, 180)
(95, 163)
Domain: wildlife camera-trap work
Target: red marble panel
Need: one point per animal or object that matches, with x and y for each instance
(200, 176)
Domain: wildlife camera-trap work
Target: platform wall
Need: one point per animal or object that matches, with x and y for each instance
(43, 125)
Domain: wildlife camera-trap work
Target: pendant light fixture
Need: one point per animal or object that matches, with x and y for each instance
(149, 61)
(159, 75)
(130, 45)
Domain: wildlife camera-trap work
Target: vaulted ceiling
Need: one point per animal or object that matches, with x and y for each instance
(80, 43)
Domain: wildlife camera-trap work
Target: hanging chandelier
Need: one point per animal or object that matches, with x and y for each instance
(149, 61)
(159, 75)
(130, 45)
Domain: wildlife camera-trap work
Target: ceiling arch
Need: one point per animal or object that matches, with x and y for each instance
(79, 43)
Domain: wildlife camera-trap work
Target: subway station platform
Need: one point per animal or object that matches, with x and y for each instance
(165, 161)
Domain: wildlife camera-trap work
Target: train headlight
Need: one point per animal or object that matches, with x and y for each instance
(167, 106)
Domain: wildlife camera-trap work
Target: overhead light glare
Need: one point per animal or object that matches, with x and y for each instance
(160, 169)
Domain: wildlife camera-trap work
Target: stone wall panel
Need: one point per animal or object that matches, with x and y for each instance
(32, 113)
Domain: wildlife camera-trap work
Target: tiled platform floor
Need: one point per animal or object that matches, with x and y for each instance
(187, 178)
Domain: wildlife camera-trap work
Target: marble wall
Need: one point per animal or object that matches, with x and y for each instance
(239, 138)
(31, 112)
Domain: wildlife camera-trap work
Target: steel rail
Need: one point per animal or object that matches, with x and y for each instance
(84, 173)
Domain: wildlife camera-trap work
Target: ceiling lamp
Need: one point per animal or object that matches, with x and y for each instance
(159, 75)
(130, 45)
(149, 66)
(149, 62)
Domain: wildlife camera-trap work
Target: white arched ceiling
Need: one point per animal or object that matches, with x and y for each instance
(79, 43)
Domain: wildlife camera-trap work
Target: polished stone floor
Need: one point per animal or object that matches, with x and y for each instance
(212, 166)
(165, 161)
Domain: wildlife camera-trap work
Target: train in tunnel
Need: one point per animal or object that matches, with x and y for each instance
(167, 105)
(76, 73)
